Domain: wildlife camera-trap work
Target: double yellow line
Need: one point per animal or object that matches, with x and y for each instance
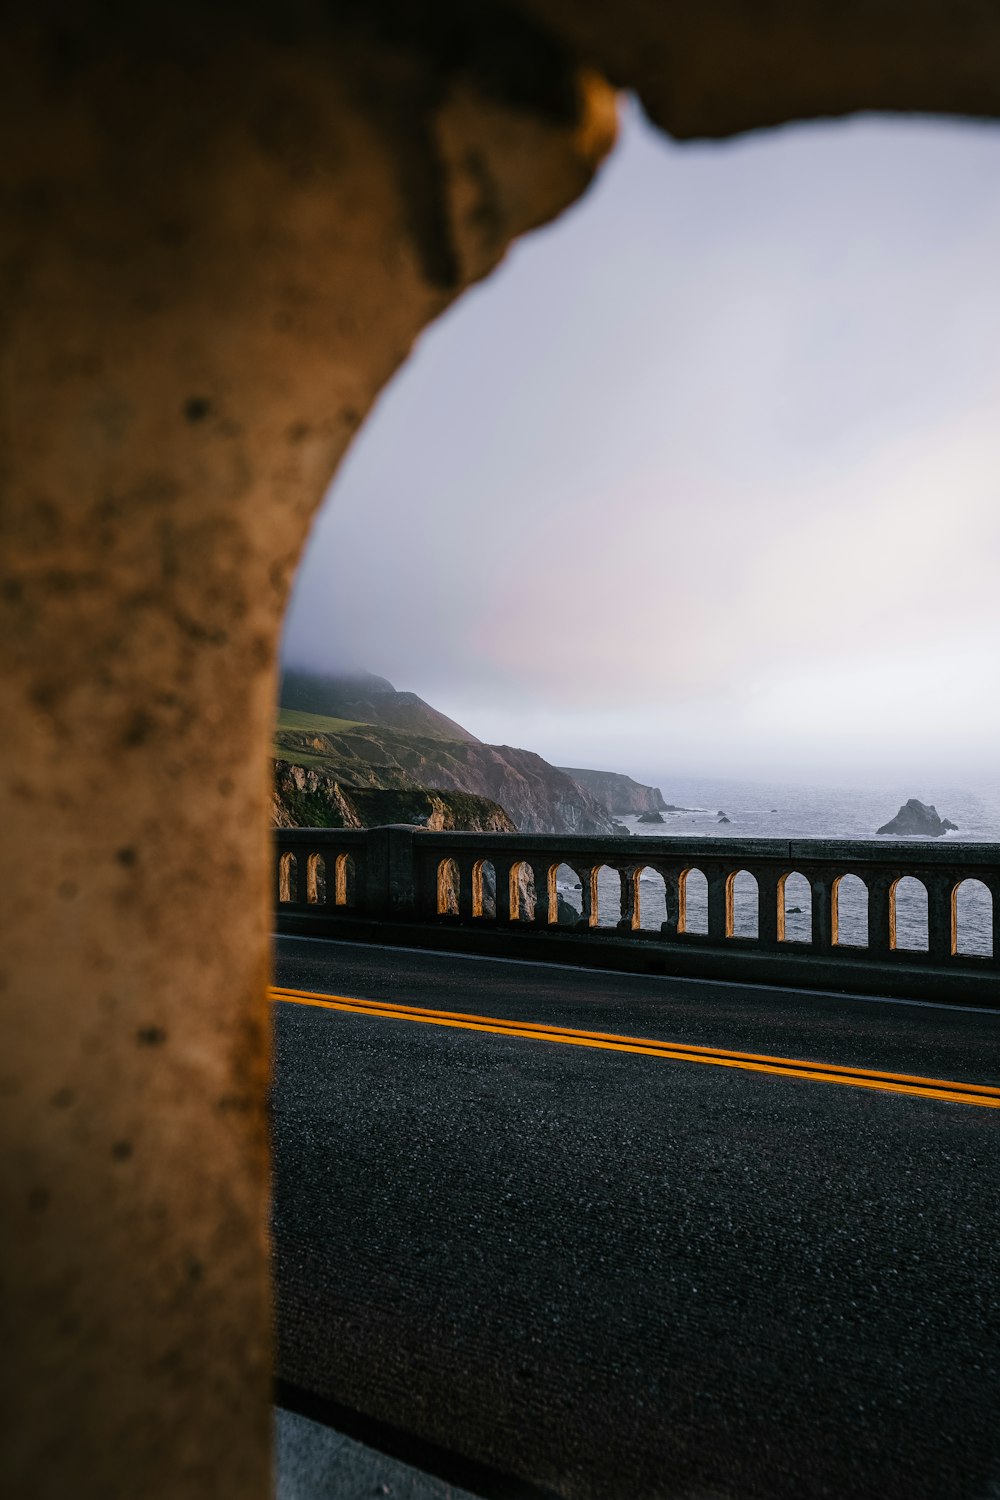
(752, 1062)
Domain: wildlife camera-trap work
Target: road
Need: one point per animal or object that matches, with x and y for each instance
(620, 1273)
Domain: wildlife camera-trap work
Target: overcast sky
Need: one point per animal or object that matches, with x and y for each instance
(706, 478)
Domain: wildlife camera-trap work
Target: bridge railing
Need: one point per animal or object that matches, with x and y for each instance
(481, 891)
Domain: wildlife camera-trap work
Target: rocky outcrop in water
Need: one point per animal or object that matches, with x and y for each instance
(918, 820)
(650, 817)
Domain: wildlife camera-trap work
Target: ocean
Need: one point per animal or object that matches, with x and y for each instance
(780, 810)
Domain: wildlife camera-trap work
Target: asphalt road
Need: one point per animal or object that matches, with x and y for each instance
(619, 1275)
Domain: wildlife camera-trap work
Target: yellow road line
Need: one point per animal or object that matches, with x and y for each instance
(787, 1067)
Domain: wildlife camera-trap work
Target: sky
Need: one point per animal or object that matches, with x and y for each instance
(706, 477)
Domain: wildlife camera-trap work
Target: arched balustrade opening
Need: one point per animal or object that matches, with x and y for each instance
(609, 896)
(849, 912)
(568, 890)
(523, 900)
(345, 892)
(447, 888)
(908, 914)
(288, 878)
(484, 890)
(692, 902)
(742, 905)
(650, 899)
(972, 919)
(316, 880)
(794, 908)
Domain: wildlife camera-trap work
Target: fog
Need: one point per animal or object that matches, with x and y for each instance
(706, 477)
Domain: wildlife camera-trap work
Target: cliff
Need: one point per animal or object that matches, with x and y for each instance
(536, 796)
(305, 797)
(617, 793)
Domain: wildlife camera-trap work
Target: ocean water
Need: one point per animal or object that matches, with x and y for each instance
(776, 810)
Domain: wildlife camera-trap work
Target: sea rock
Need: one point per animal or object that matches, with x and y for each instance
(650, 817)
(918, 820)
(723, 819)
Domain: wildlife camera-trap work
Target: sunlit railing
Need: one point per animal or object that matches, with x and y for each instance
(819, 911)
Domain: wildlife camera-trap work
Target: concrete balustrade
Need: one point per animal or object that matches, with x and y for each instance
(473, 892)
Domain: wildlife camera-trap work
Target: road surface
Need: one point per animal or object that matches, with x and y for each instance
(647, 1273)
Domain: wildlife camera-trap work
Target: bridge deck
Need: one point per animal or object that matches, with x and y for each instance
(623, 1273)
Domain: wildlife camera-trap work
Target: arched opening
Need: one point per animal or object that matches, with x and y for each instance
(972, 919)
(849, 912)
(522, 892)
(908, 914)
(794, 908)
(692, 902)
(568, 894)
(742, 905)
(288, 878)
(447, 888)
(484, 890)
(609, 896)
(316, 880)
(650, 899)
(344, 892)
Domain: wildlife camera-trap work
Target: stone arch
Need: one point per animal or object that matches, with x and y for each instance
(316, 880)
(650, 898)
(523, 896)
(447, 888)
(692, 901)
(608, 896)
(288, 878)
(567, 888)
(849, 912)
(794, 908)
(484, 890)
(345, 880)
(908, 914)
(239, 460)
(972, 919)
(742, 905)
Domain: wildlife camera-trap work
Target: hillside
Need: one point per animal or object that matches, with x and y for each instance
(617, 793)
(536, 796)
(365, 698)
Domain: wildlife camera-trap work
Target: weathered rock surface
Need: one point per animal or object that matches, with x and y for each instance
(918, 820)
(305, 797)
(617, 793)
(650, 817)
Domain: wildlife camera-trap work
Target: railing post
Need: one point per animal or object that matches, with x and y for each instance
(391, 873)
(628, 905)
(717, 882)
(881, 921)
(588, 894)
(992, 884)
(940, 923)
(504, 906)
(767, 908)
(671, 900)
(464, 866)
(821, 888)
